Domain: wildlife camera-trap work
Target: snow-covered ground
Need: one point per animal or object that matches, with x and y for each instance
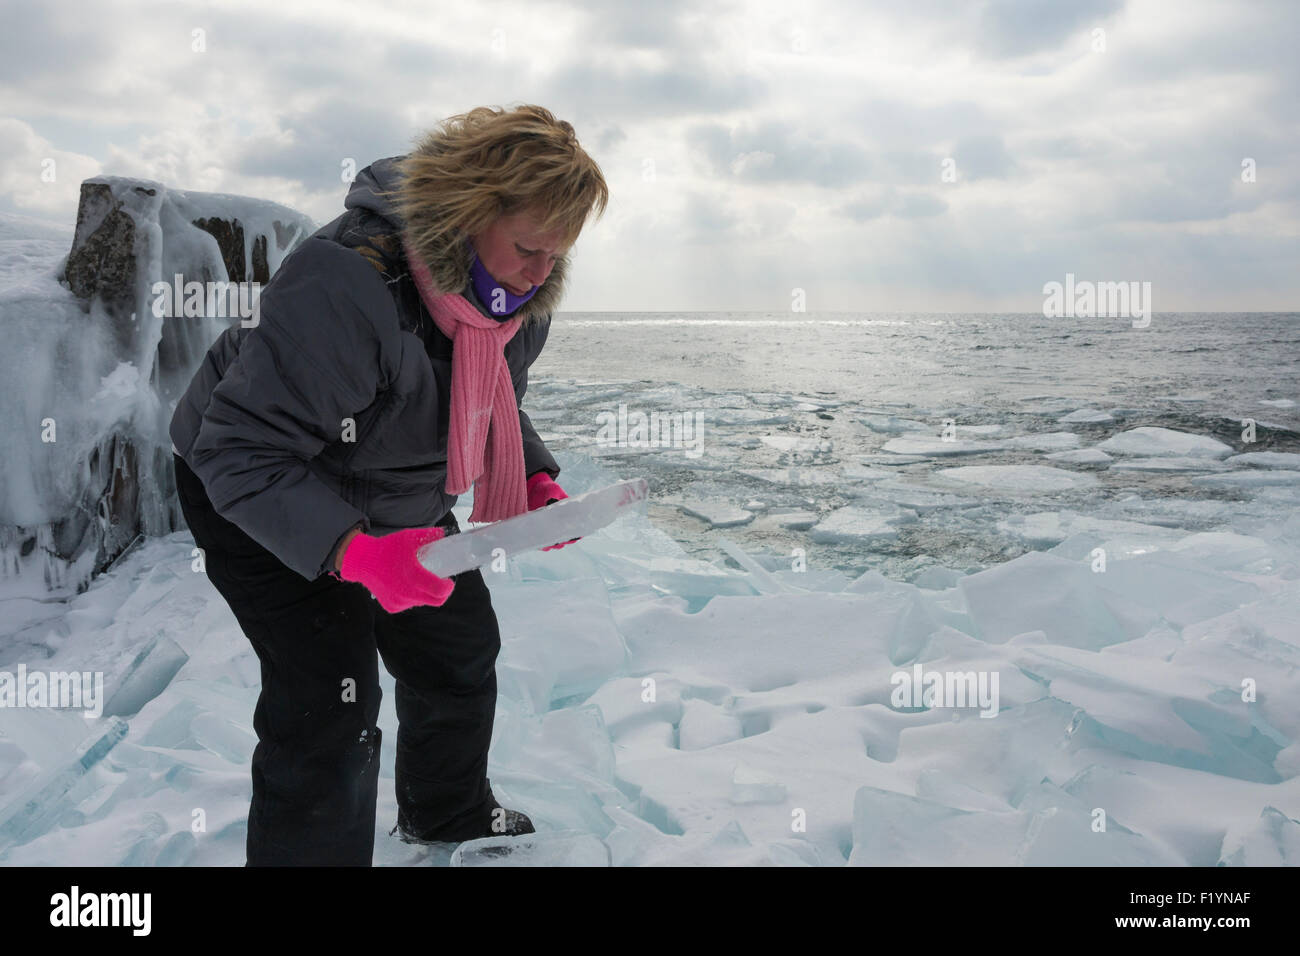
(684, 712)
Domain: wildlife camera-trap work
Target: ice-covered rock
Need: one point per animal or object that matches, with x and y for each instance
(95, 475)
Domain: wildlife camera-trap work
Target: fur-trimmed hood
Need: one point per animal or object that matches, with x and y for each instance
(448, 257)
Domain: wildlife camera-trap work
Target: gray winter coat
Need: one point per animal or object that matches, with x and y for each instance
(342, 334)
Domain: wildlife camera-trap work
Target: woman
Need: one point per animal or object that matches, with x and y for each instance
(319, 449)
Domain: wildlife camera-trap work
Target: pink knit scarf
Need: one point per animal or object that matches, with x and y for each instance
(485, 447)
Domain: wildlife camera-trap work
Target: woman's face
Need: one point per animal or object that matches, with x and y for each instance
(516, 253)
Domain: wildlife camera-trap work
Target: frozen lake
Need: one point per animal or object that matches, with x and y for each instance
(910, 590)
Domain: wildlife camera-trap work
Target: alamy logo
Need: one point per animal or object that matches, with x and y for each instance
(1087, 300)
(933, 689)
(636, 429)
(70, 689)
(220, 300)
(102, 909)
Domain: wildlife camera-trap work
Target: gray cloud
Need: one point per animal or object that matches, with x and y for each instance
(772, 161)
(1016, 27)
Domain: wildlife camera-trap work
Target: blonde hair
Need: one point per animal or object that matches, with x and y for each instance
(477, 166)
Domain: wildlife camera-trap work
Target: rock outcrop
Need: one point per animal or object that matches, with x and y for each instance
(96, 475)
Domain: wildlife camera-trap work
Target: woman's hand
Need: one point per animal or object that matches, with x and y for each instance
(542, 491)
(388, 568)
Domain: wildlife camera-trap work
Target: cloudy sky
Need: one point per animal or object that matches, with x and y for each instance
(751, 149)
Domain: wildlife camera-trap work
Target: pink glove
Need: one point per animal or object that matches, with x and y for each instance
(389, 570)
(542, 491)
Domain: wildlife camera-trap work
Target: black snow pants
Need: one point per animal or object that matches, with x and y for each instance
(316, 764)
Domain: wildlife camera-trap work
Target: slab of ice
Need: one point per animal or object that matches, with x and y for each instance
(1027, 478)
(853, 472)
(574, 517)
(146, 676)
(1081, 456)
(914, 497)
(798, 443)
(1041, 592)
(939, 448)
(1225, 551)
(745, 416)
(798, 477)
(749, 785)
(1272, 840)
(937, 578)
(1255, 478)
(854, 525)
(574, 653)
(1170, 586)
(534, 849)
(1151, 442)
(1265, 459)
(1045, 441)
(1170, 463)
(797, 520)
(892, 461)
(1044, 529)
(718, 514)
(44, 800)
(704, 725)
(894, 829)
(889, 425)
(1086, 415)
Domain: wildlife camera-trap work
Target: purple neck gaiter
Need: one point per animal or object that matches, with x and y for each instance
(485, 286)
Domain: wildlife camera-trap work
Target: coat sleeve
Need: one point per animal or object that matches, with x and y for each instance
(537, 457)
(322, 349)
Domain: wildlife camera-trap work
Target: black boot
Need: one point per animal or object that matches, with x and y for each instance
(500, 822)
